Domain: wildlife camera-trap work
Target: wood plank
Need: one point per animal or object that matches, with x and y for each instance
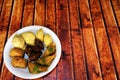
(65, 66)
(40, 12)
(114, 37)
(1, 1)
(50, 15)
(16, 16)
(108, 13)
(93, 66)
(116, 7)
(92, 59)
(85, 13)
(28, 13)
(4, 22)
(50, 23)
(15, 20)
(107, 65)
(77, 42)
(96, 14)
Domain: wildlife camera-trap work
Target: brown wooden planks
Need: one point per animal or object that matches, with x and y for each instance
(114, 37)
(77, 42)
(1, 1)
(4, 22)
(108, 13)
(65, 66)
(28, 13)
(113, 33)
(85, 14)
(93, 66)
(107, 65)
(39, 12)
(16, 17)
(116, 7)
(50, 23)
(50, 15)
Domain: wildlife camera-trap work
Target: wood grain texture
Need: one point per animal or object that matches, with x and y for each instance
(39, 12)
(77, 42)
(15, 20)
(96, 14)
(107, 9)
(116, 7)
(16, 16)
(65, 68)
(50, 23)
(112, 29)
(1, 1)
(85, 13)
(28, 13)
(50, 15)
(107, 65)
(93, 66)
(4, 22)
(114, 37)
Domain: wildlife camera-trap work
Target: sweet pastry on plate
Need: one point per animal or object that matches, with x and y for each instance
(29, 37)
(51, 49)
(18, 42)
(47, 40)
(40, 34)
(35, 68)
(46, 61)
(16, 52)
(19, 62)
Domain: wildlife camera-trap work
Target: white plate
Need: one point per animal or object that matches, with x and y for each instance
(24, 73)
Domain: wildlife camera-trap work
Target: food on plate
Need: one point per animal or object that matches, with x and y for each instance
(34, 56)
(35, 68)
(34, 52)
(40, 49)
(39, 44)
(47, 40)
(40, 34)
(18, 42)
(19, 62)
(46, 61)
(29, 37)
(51, 49)
(16, 52)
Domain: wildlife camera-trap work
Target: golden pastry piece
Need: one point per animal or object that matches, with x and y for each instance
(16, 52)
(19, 62)
(47, 40)
(35, 68)
(51, 49)
(18, 42)
(46, 61)
(29, 37)
(40, 34)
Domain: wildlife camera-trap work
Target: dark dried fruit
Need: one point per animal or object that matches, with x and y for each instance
(34, 56)
(39, 44)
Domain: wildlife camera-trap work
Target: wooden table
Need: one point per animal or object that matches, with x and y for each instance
(89, 31)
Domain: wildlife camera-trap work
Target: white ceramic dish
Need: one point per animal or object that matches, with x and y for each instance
(24, 73)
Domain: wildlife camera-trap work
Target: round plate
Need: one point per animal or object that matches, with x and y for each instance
(24, 73)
